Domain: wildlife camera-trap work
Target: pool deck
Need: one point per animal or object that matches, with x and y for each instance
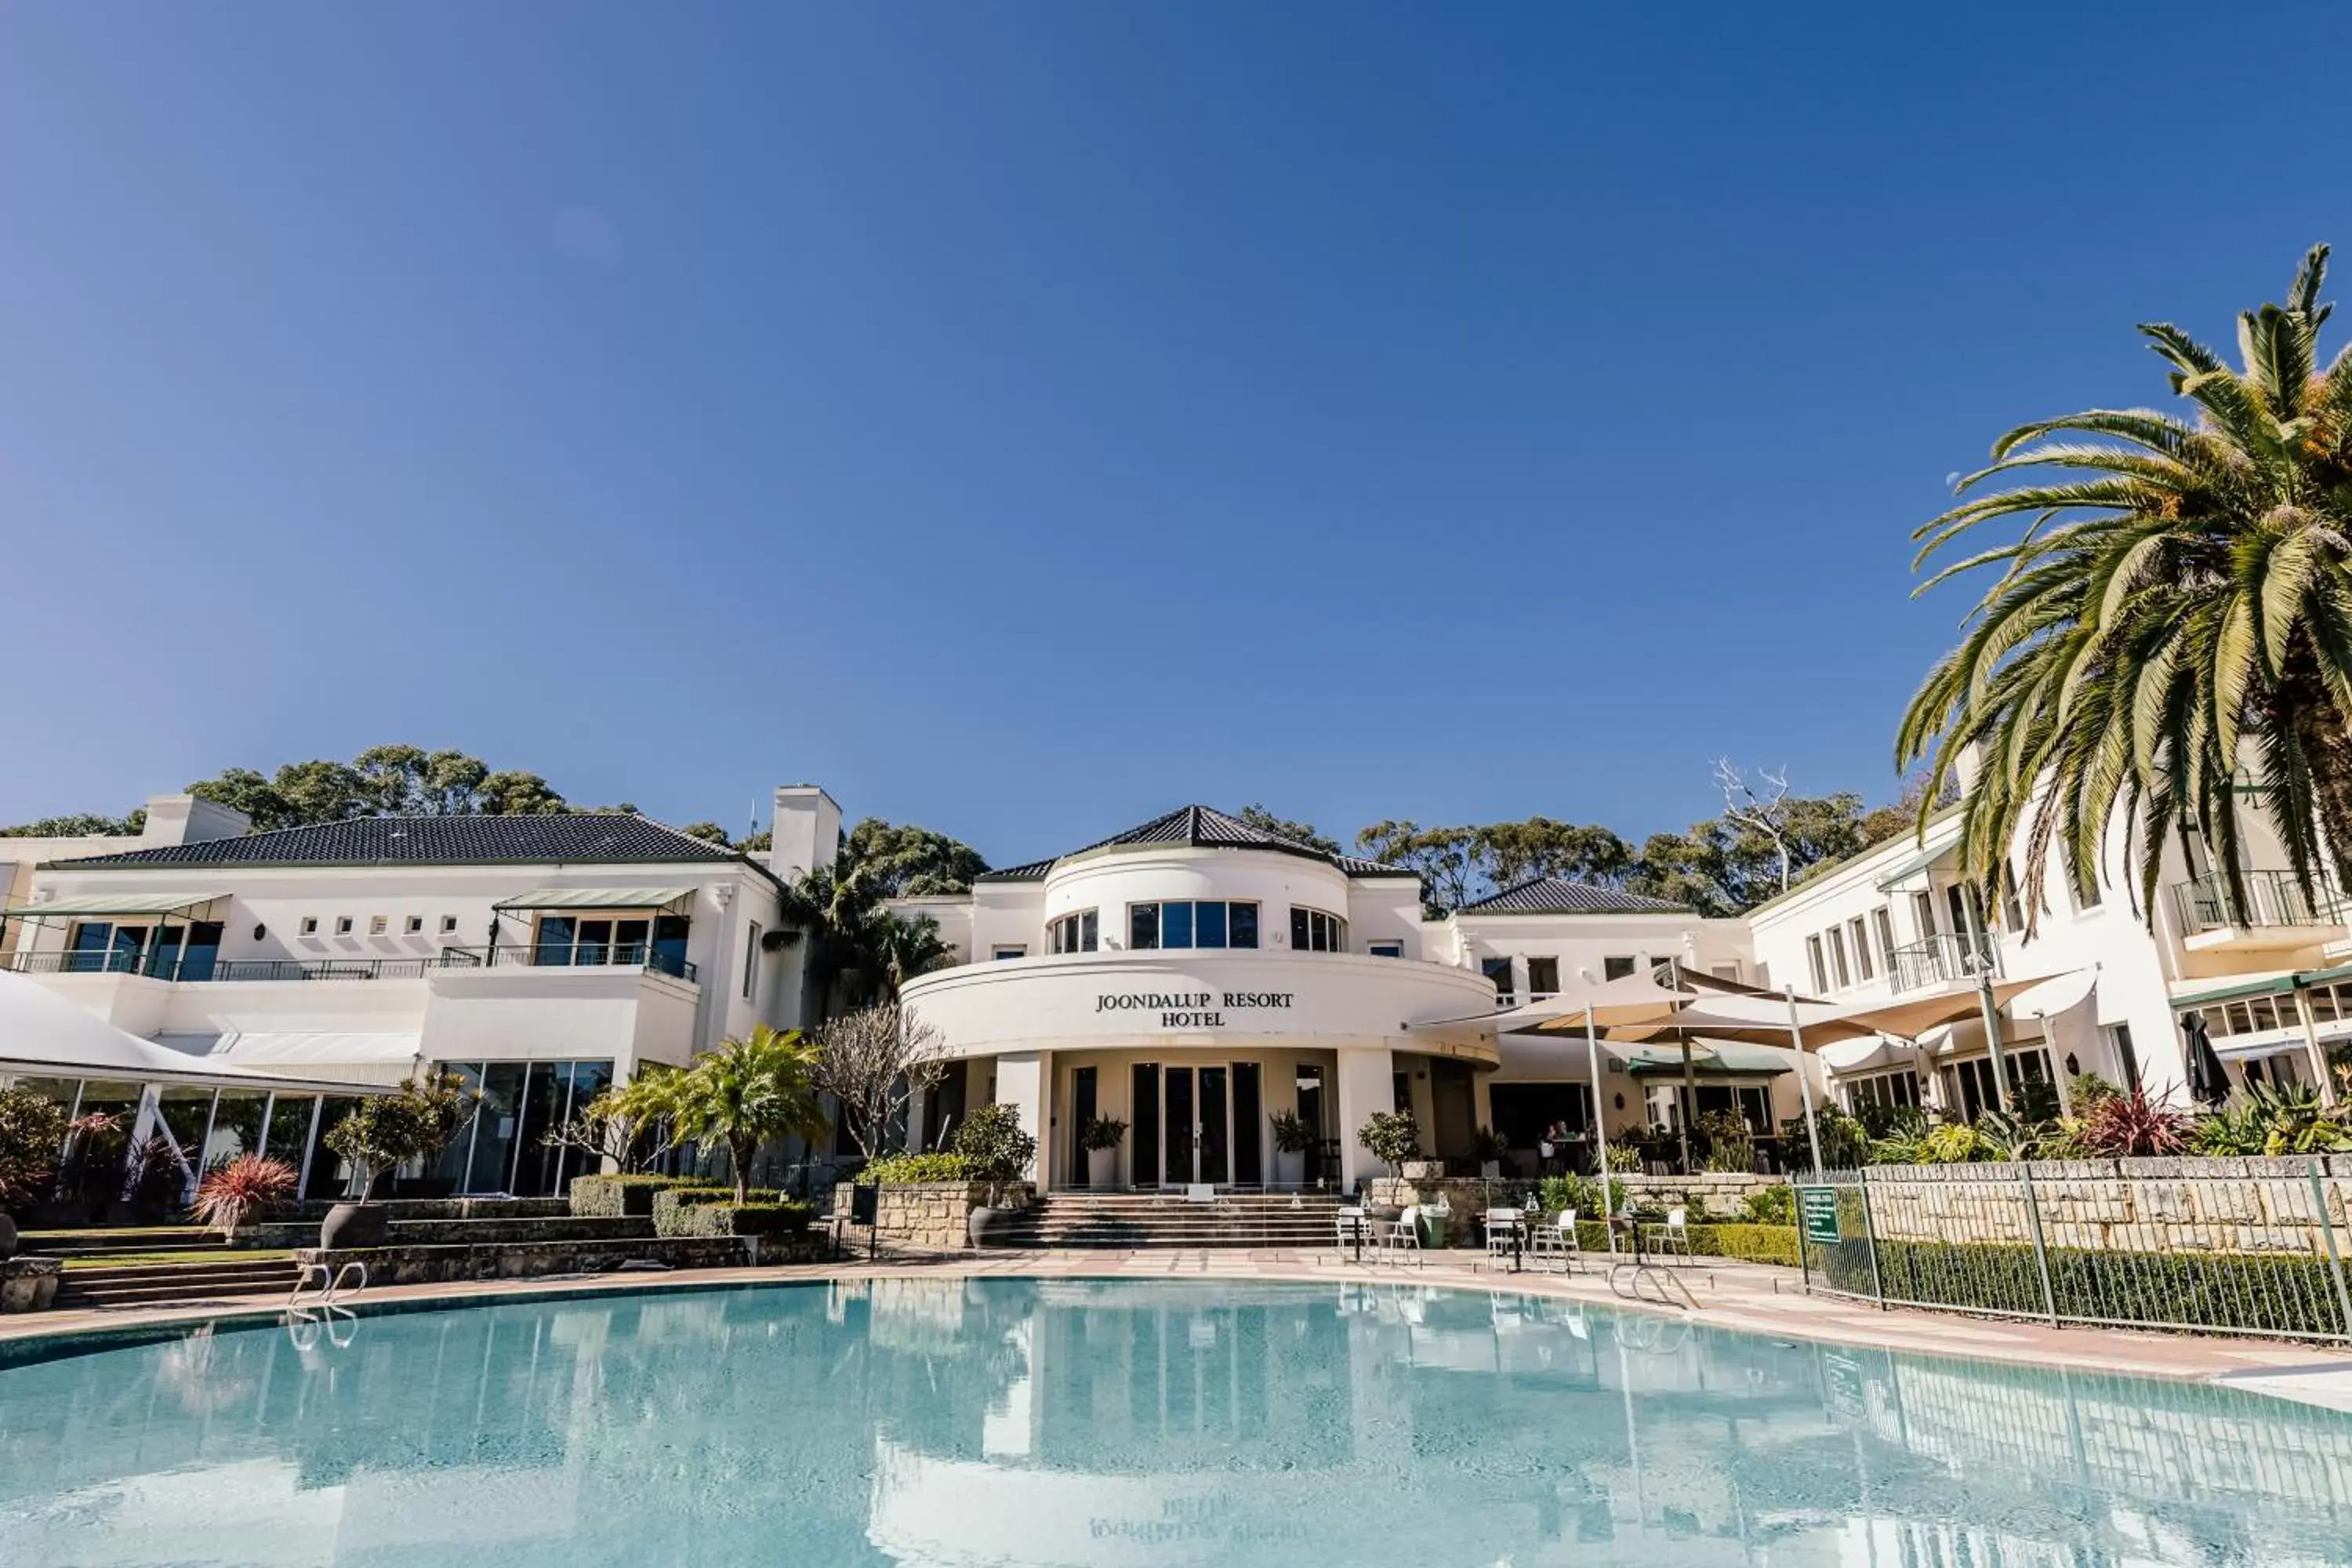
(1749, 1297)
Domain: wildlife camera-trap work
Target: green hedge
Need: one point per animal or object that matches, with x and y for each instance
(713, 1211)
(613, 1197)
(904, 1168)
(1750, 1243)
(2241, 1293)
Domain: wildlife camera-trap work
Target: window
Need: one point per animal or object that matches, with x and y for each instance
(1388, 949)
(1004, 950)
(1312, 930)
(310, 925)
(1887, 1090)
(1820, 966)
(448, 925)
(414, 924)
(1498, 973)
(751, 959)
(1616, 968)
(1543, 978)
(1837, 958)
(2119, 1041)
(379, 924)
(1923, 914)
(342, 925)
(2013, 913)
(1883, 919)
(1207, 923)
(1859, 935)
(1080, 932)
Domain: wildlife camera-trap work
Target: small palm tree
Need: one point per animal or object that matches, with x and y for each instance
(904, 947)
(748, 1092)
(2172, 629)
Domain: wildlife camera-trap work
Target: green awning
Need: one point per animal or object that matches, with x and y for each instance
(1911, 866)
(115, 904)
(2225, 989)
(596, 898)
(1719, 1058)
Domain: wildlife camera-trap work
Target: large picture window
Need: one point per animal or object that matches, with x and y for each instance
(1313, 931)
(1191, 922)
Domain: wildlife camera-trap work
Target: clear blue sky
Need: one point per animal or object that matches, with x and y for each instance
(1025, 417)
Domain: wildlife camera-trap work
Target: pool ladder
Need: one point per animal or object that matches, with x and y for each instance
(317, 1293)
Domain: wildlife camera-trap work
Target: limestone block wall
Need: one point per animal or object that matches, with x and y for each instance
(930, 1214)
(2237, 1205)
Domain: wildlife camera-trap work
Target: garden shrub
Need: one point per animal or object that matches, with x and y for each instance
(1751, 1243)
(712, 1211)
(936, 1167)
(613, 1197)
(1773, 1206)
(1555, 1193)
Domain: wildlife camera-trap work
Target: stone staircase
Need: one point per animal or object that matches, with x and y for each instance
(1134, 1220)
(172, 1284)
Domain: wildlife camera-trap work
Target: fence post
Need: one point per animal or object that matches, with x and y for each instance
(1804, 1259)
(2040, 1256)
(2334, 1257)
(1870, 1239)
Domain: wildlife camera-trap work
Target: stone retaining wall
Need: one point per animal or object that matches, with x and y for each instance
(440, 1265)
(2237, 1205)
(313, 1212)
(403, 1231)
(935, 1215)
(1467, 1198)
(28, 1284)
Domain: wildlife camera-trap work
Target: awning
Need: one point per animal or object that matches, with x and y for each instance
(115, 904)
(2237, 987)
(1625, 999)
(1912, 865)
(1912, 1019)
(1719, 1057)
(42, 1035)
(596, 898)
(368, 1058)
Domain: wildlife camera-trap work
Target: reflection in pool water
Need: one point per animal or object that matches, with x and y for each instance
(1009, 1421)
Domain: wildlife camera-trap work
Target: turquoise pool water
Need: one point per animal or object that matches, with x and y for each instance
(1009, 1421)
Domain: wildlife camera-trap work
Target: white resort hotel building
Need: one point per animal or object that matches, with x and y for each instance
(1195, 978)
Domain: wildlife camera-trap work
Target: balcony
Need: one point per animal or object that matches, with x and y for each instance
(586, 955)
(1941, 960)
(2277, 912)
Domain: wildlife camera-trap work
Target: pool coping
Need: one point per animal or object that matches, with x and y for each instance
(1742, 1298)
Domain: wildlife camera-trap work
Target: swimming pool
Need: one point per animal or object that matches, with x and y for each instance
(1013, 1422)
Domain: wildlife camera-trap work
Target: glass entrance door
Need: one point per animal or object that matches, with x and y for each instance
(1197, 1129)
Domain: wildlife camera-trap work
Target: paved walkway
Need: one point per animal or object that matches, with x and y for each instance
(1752, 1298)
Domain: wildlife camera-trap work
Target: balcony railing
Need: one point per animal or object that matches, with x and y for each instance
(588, 955)
(2273, 899)
(1941, 960)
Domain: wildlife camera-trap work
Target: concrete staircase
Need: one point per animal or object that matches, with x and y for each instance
(1134, 1220)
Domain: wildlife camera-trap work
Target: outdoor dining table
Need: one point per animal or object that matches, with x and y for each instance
(1630, 1227)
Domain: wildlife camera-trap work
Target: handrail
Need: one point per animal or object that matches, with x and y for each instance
(331, 1286)
(601, 957)
(1940, 960)
(585, 955)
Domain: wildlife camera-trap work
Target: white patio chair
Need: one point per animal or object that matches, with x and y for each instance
(1558, 1240)
(1503, 1232)
(1400, 1235)
(1672, 1239)
(1352, 1230)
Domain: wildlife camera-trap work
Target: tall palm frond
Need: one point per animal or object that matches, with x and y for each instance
(2169, 635)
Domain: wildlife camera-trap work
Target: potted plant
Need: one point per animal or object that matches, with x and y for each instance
(1292, 1140)
(999, 1149)
(1102, 1137)
(385, 1132)
(1490, 1149)
(231, 1190)
(1390, 1137)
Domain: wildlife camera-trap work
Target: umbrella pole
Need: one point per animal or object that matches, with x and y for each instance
(1600, 1131)
(1804, 1079)
(1689, 1106)
(1981, 960)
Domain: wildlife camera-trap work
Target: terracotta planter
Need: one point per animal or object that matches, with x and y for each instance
(353, 1224)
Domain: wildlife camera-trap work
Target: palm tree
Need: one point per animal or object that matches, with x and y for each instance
(749, 1092)
(903, 947)
(2173, 628)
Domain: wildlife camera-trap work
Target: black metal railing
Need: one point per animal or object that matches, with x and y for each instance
(1940, 960)
(2273, 899)
(263, 969)
(587, 955)
(92, 962)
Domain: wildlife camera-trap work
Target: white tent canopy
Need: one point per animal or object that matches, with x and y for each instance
(42, 1035)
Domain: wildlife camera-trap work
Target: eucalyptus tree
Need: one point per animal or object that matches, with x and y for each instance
(2170, 629)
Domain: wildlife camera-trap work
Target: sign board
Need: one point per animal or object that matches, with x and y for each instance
(864, 1202)
(1817, 1212)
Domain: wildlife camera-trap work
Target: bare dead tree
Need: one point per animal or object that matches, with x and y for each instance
(1766, 814)
(630, 1124)
(873, 1062)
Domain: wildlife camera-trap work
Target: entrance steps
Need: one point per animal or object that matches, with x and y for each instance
(170, 1284)
(1133, 1220)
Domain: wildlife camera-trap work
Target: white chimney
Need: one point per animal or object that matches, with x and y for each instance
(806, 832)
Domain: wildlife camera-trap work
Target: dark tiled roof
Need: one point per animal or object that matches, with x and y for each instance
(1205, 827)
(1558, 895)
(609, 837)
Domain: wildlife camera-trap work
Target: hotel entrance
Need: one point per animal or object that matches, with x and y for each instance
(1196, 1124)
